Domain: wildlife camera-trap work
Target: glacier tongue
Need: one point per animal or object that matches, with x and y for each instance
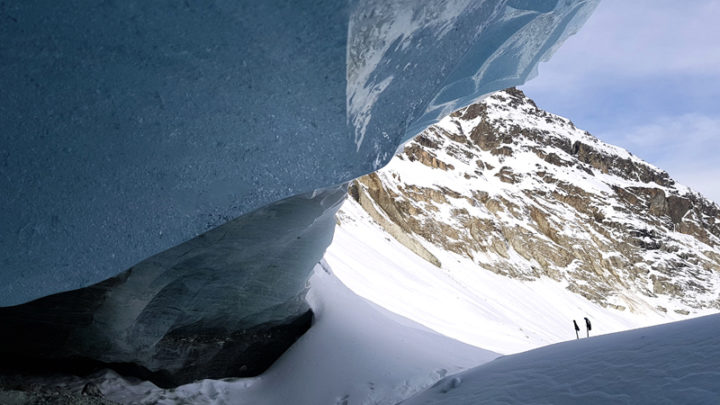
(130, 127)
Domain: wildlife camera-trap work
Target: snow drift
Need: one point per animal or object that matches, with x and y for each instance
(667, 364)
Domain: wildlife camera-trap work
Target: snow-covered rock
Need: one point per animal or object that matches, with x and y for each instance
(461, 299)
(526, 194)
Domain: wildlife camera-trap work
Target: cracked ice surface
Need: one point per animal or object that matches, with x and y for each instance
(130, 127)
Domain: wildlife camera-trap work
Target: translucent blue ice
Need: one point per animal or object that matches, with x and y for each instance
(128, 127)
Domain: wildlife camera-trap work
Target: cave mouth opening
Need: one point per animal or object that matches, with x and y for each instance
(244, 353)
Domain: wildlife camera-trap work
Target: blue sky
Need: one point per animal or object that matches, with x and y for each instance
(645, 75)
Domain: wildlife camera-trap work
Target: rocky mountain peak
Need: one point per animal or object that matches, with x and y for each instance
(526, 194)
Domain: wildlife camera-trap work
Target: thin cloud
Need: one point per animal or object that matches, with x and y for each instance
(702, 179)
(645, 75)
(685, 146)
(629, 39)
(684, 134)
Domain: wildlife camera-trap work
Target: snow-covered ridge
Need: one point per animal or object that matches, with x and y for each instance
(147, 166)
(666, 364)
(526, 194)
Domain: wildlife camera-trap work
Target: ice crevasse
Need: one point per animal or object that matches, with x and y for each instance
(169, 150)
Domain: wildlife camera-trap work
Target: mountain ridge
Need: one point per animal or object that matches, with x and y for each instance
(524, 193)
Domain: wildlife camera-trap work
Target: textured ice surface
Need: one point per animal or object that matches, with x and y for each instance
(128, 127)
(226, 303)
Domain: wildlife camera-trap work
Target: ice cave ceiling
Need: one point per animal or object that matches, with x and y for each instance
(129, 127)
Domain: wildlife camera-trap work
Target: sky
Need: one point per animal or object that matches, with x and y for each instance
(645, 75)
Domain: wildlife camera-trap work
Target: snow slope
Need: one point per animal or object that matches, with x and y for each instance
(677, 363)
(355, 353)
(460, 299)
(524, 193)
(358, 352)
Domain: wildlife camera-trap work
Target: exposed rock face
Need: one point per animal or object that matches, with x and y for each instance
(526, 194)
(380, 204)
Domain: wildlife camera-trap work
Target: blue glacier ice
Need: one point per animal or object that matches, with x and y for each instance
(170, 171)
(226, 303)
(129, 127)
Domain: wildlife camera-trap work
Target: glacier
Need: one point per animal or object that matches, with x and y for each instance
(130, 127)
(135, 132)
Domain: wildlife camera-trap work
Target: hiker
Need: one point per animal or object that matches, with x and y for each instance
(577, 329)
(588, 326)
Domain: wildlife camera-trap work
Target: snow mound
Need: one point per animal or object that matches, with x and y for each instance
(675, 363)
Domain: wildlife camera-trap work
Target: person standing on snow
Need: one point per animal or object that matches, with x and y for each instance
(588, 326)
(577, 329)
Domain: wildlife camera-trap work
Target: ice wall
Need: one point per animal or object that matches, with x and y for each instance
(224, 304)
(128, 127)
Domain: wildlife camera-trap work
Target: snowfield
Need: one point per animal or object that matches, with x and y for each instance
(676, 363)
(461, 300)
